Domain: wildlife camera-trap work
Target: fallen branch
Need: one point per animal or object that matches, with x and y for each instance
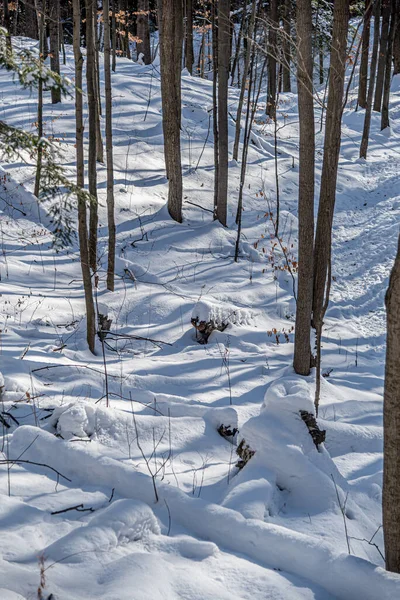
(78, 507)
(18, 461)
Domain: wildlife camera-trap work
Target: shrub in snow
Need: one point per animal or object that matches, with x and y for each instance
(209, 316)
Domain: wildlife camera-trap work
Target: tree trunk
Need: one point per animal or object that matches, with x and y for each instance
(388, 68)
(114, 36)
(286, 87)
(171, 59)
(189, 55)
(396, 43)
(362, 88)
(272, 56)
(223, 76)
(383, 48)
(41, 26)
(143, 47)
(54, 27)
(215, 102)
(302, 348)
(93, 115)
(6, 22)
(80, 180)
(109, 150)
(126, 32)
(244, 80)
(323, 237)
(236, 60)
(391, 424)
(372, 76)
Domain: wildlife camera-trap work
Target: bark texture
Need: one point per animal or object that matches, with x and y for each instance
(143, 47)
(54, 27)
(302, 348)
(170, 63)
(223, 76)
(363, 83)
(391, 422)
(383, 48)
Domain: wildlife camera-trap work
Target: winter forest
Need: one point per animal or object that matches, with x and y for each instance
(200, 299)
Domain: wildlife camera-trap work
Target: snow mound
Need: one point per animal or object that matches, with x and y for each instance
(220, 314)
(10, 595)
(75, 420)
(122, 522)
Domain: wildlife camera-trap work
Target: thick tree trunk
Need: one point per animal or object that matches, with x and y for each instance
(286, 87)
(80, 180)
(323, 237)
(372, 77)
(396, 43)
(171, 59)
(189, 54)
(93, 116)
(272, 58)
(54, 27)
(363, 84)
(391, 423)
(302, 348)
(109, 150)
(388, 67)
(143, 47)
(223, 76)
(244, 80)
(383, 48)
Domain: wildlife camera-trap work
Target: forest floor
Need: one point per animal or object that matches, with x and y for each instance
(161, 510)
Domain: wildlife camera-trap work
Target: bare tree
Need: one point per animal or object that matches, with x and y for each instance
(41, 26)
(272, 51)
(391, 422)
(372, 77)
(93, 115)
(383, 48)
(224, 54)
(189, 54)
(388, 66)
(80, 180)
(362, 87)
(286, 87)
(171, 60)
(214, 30)
(109, 148)
(143, 47)
(54, 27)
(302, 348)
(323, 236)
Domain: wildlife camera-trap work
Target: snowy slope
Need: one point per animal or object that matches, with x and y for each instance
(273, 530)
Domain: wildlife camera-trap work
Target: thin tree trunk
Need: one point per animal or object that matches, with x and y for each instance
(388, 68)
(6, 22)
(363, 84)
(323, 237)
(80, 180)
(238, 44)
(302, 347)
(383, 48)
(93, 113)
(99, 141)
(109, 150)
(272, 56)
(223, 76)
(41, 26)
(54, 27)
(189, 55)
(372, 76)
(244, 80)
(391, 424)
(171, 60)
(215, 101)
(286, 87)
(126, 32)
(114, 36)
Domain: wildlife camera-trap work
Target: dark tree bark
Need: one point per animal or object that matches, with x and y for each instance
(323, 237)
(80, 180)
(383, 48)
(189, 54)
(223, 76)
(143, 47)
(286, 87)
(388, 67)
(363, 84)
(41, 26)
(54, 27)
(396, 43)
(272, 58)
(215, 101)
(93, 116)
(391, 424)
(372, 76)
(244, 80)
(302, 348)
(171, 60)
(109, 150)
(114, 35)
(6, 21)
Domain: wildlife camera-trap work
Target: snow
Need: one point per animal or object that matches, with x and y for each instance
(273, 530)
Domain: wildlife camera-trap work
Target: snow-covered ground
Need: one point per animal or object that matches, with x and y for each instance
(161, 511)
